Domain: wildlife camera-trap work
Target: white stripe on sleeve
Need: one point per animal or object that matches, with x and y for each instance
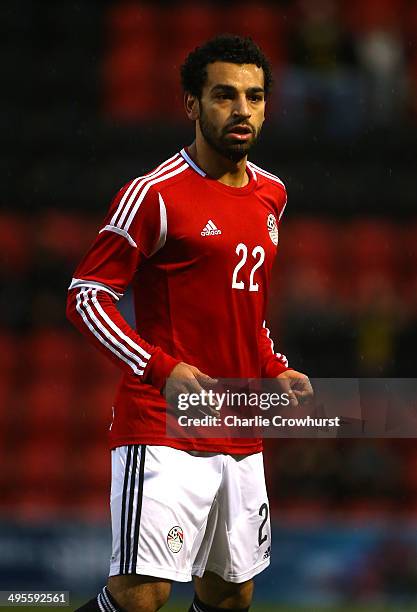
(138, 187)
(79, 282)
(101, 333)
(163, 225)
(273, 177)
(120, 232)
(132, 186)
(145, 190)
(118, 331)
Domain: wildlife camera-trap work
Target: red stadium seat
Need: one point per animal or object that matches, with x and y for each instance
(127, 21)
(188, 26)
(263, 22)
(130, 84)
(91, 505)
(407, 263)
(44, 465)
(48, 410)
(310, 245)
(370, 250)
(410, 21)
(65, 235)
(95, 386)
(92, 468)
(407, 238)
(5, 391)
(363, 16)
(130, 66)
(133, 49)
(94, 366)
(94, 411)
(97, 467)
(9, 354)
(10, 383)
(42, 479)
(7, 472)
(50, 353)
(37, 505)
(8, 412)
(15, 243)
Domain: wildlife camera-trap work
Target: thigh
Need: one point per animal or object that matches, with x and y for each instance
(160, 501)
(241, 544)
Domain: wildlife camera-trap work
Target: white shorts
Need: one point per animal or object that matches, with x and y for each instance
(177, 514)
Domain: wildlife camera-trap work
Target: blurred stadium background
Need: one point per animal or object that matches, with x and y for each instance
(91, 98)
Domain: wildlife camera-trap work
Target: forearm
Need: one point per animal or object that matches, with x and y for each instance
(93, 311)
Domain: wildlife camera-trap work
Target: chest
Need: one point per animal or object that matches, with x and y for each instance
(221, 228)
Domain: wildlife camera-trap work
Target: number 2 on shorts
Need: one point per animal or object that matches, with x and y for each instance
(263, 511)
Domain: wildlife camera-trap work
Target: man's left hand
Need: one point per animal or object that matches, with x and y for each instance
(297, 385)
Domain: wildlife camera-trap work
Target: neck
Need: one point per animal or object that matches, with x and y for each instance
(216, 165)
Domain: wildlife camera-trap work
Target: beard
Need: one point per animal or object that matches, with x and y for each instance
(221, 142)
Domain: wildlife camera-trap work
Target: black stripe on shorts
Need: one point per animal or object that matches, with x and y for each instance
(139, 507)
(123, 512)
(130, 508)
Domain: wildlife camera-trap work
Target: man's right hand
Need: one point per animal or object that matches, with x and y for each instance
(186, 378)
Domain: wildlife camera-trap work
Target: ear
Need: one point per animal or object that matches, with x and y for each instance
(192, 106)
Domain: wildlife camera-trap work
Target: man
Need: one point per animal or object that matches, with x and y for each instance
(197, 238)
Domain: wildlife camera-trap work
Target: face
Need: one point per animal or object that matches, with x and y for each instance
(232, 108)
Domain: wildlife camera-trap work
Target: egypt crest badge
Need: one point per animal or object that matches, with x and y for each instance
(272, 226)
(175, 539)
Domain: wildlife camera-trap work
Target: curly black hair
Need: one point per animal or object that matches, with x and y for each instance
(223, 48)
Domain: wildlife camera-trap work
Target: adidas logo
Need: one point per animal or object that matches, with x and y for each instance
(267, 553)
(210, 229)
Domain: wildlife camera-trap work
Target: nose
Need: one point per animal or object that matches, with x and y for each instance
(241, 107)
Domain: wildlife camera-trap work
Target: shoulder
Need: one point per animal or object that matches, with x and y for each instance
(273, 185)
(165, 173)
(267, 177)
(145, 189)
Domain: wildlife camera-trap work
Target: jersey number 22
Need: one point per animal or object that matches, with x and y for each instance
(258, 255)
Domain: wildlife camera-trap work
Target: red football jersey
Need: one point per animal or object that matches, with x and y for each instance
(199, 256)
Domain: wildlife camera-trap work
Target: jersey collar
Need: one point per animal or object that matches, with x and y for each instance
(190, 162)
(193, 165)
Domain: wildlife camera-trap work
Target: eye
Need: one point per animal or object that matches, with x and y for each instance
(256, 98)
